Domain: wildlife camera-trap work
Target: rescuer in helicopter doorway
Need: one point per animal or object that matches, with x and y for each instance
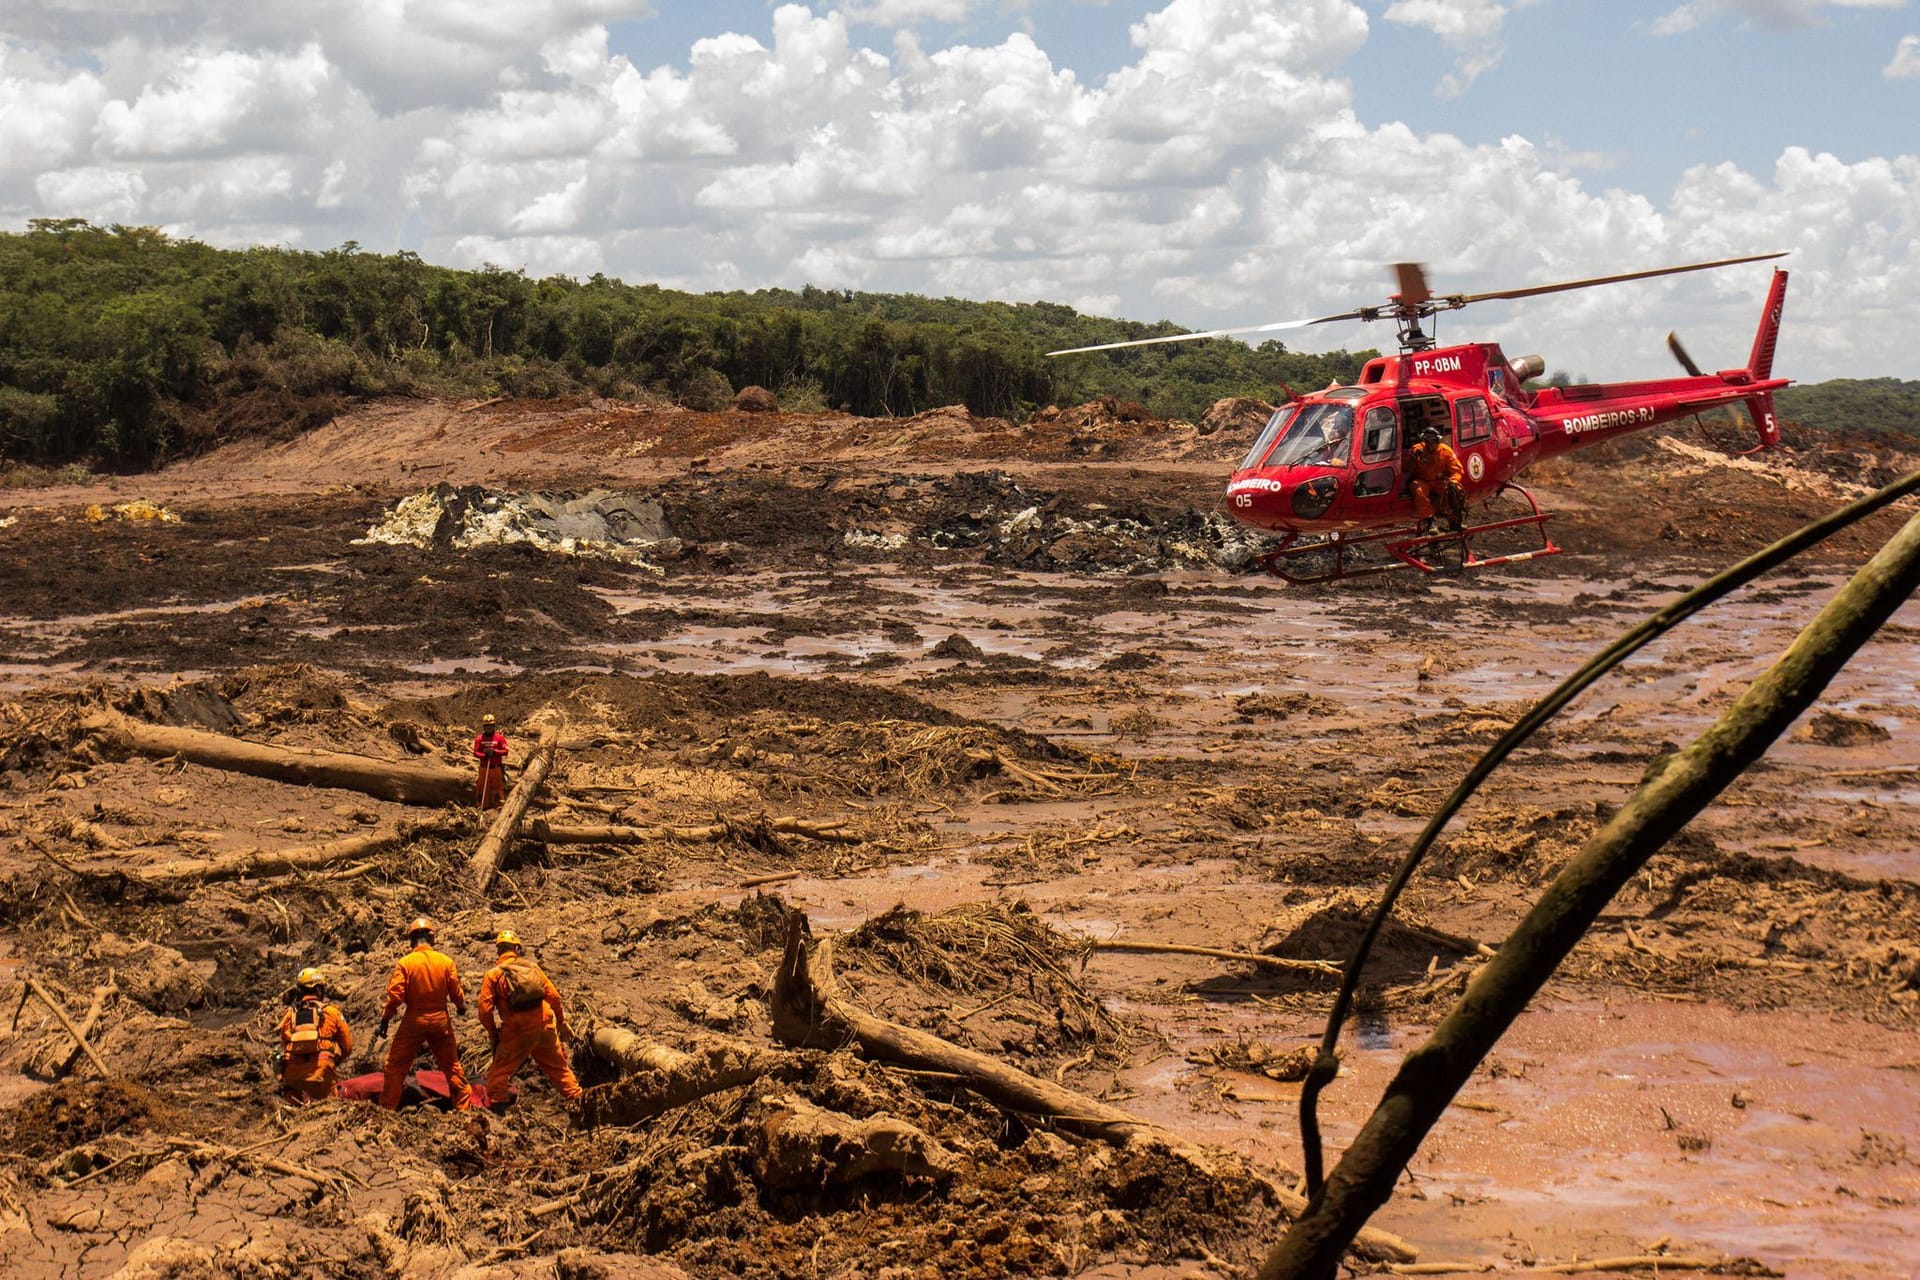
(1435, 485)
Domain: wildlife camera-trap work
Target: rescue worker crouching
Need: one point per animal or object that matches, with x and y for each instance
(425, 982)
(313, 1037)
(531, 1023)
(1435, 484)
(490, 749)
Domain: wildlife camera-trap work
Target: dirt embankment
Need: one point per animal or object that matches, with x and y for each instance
(975, 708)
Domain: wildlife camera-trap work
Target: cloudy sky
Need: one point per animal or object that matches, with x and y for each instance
(1211, 162)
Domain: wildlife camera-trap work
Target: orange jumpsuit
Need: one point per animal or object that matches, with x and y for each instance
(524, 1033)
(1436, 474)
(424, 981)
(308, 1075)
(490, 749)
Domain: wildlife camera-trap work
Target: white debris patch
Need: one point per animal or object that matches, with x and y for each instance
(601, 523)
(868, 540)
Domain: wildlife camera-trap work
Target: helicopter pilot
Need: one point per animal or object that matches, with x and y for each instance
(1435, 482)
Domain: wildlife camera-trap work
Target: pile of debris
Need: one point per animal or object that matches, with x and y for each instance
(602, 523)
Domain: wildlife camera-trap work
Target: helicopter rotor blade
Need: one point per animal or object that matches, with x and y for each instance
(1461, 300)
(1680, 354)
(1364, 313)
(1413, 284)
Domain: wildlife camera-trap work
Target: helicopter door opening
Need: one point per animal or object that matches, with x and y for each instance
(1379, 453)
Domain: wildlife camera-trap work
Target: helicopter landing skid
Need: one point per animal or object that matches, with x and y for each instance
(1339, 556)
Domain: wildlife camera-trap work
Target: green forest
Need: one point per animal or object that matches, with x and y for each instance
(121, 347)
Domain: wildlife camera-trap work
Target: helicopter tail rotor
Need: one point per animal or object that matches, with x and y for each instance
(1680, 354)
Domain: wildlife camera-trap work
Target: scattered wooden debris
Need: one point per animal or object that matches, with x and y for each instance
(809, 1010)
(93, 1055)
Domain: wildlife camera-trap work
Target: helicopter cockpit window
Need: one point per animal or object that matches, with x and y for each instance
(1473, 420)
(1380, 436)
(1268, 434)
(1321, 435)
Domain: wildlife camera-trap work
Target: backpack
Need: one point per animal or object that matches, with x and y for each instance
(523, 985)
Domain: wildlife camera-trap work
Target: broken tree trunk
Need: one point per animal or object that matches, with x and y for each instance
(87, 1024)
(1664, 803)
(798, 1146)
(808, 1009)
(659, 1078)
(279, 862)
(408, 782)
(551, 833)
(493, 850)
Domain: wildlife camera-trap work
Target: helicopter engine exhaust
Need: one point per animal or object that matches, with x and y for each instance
(1525, 367)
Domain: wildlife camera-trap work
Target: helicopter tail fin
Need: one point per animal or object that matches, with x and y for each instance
(1760, 407)
(1760, 363)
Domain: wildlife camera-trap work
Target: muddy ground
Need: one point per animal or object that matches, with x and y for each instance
(1022, 680)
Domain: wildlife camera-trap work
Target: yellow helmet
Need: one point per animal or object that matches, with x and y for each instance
(309, 978)
(420, 925)
(507, 938)
(487, 718)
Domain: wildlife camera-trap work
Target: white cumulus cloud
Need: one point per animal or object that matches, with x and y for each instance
(1471, 28)
(1225, 174)
(1767, 15)
(1906, 60)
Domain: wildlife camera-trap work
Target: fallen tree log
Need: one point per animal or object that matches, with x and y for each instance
(1655, 1262)
(552, 833)
(658, 1078)
(1245, 957)
(809, 1010)
(405, 781)
(277, 862)
(493, 850)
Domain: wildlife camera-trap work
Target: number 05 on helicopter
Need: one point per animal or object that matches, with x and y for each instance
(1342, 474)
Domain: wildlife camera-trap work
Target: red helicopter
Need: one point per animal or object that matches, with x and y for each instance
(1338, 495)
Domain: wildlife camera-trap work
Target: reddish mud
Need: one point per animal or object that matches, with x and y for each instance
(1022, 668)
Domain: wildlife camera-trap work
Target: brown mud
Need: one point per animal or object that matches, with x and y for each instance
(1024, 670)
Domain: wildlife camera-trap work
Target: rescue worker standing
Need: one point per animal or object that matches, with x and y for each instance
(1436, 482)
(490, 749)
(313, 1037)
(531, 1023)
(425, 981)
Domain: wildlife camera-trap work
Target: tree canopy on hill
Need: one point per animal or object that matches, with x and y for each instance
(125, 346)
(1868, 406)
